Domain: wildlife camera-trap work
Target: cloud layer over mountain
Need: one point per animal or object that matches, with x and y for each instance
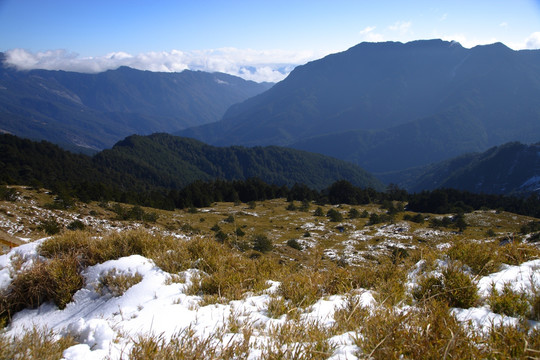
(256, 65)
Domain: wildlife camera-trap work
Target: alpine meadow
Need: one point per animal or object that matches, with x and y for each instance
(272, 180)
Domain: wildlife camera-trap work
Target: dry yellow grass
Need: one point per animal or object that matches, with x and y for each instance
(332, 258)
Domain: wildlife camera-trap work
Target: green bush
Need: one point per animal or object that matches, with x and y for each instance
(8, 194)
(239, 232)
(490, 233)
(305, 206)
(221, 236)
(262, 243)
(334, 215)
(374, 218)
(76, 225)
(418, 218)
(293, 243)
(438, 223)
(291, 206)
(530, 227)
(50, 226)
(135, 213)
(354, 213)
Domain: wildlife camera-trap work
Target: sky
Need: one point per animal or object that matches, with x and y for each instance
(258, 40)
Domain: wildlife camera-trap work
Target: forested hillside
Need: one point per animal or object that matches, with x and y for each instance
(145, 169)
(171, 161)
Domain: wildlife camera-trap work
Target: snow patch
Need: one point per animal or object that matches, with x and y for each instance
(521, 277)
(533, 182)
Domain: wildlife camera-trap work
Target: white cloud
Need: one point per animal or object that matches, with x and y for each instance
(256, 65)
(504, 24)
(369, 34)
(367, 30)
(403, 27)
(533, 41)
(443, 17)
(466, 41)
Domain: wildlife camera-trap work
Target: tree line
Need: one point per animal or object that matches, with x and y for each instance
(204, 193)
(71, 176)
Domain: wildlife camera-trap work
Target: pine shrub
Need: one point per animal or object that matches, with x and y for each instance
(262, 243)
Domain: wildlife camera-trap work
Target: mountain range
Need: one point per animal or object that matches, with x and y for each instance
(392, 106)
(94, 111)
(405, 112)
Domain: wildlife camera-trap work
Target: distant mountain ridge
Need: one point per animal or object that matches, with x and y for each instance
(390, 106)
(166, 162)
(96, 110)
(510, 169)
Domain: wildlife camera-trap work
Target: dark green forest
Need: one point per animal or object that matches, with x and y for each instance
(74, 176)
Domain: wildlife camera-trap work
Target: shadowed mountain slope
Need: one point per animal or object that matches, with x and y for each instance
(390, 106)
(512, 168)
(94, 111)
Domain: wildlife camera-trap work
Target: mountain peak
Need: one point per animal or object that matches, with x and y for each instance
(415, 103)
(426, 44)
(497, 47)
(431, 43)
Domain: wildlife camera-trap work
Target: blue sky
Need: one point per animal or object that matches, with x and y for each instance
(261, 40)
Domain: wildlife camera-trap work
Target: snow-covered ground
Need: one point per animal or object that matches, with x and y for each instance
(105, 325)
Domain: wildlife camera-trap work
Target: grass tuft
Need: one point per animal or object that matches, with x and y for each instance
(53, 280)
(277, 307)
(508, 302)
(351, 315)
(482, 257)
(453, 287)
(426, 332)
(116, 283)
(37, 343)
